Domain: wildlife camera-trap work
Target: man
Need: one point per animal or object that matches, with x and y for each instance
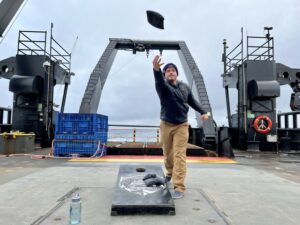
(175, 96)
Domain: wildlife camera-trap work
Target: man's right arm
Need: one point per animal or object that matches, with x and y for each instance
(159, 82)
(159, 79)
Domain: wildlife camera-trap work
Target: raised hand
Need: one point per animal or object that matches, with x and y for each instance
(157, 63)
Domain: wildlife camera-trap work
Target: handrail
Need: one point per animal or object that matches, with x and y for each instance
(286, 124)
(27, 39)
(124, 125)
(268, 54)
(38, 47)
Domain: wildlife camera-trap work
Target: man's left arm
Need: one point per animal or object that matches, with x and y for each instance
(196, 106)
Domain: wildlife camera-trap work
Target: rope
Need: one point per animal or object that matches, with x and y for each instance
(122, 67)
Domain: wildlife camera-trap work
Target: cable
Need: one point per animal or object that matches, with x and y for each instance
(57, 93)
(98, 150)
(74, 45)
(122, 67)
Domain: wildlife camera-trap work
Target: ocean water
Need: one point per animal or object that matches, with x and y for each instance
(127, 134)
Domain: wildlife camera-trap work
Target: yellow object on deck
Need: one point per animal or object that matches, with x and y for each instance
(16, 142)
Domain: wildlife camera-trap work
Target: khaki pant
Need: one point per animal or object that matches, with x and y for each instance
(174, 139)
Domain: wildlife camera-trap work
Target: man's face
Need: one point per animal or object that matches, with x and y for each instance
(171, 74)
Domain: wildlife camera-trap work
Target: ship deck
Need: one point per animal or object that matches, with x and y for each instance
(253, 188)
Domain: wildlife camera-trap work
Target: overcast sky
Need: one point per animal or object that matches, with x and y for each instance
(129, 95)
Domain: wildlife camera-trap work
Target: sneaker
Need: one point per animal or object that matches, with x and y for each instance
(168, 179)
(177, 195)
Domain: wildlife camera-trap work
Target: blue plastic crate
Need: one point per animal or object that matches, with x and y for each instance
(76, 123)
(102, 136)
(84, 148)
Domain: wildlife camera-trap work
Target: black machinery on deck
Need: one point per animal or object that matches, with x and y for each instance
(257, 78)
(33, 73)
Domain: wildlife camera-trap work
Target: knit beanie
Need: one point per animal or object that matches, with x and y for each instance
(170, 65)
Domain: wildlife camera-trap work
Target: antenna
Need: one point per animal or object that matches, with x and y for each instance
(268, 37)
(268, 31)
(74, 45)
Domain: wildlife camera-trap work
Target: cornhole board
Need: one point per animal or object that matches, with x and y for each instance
(131, 196)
